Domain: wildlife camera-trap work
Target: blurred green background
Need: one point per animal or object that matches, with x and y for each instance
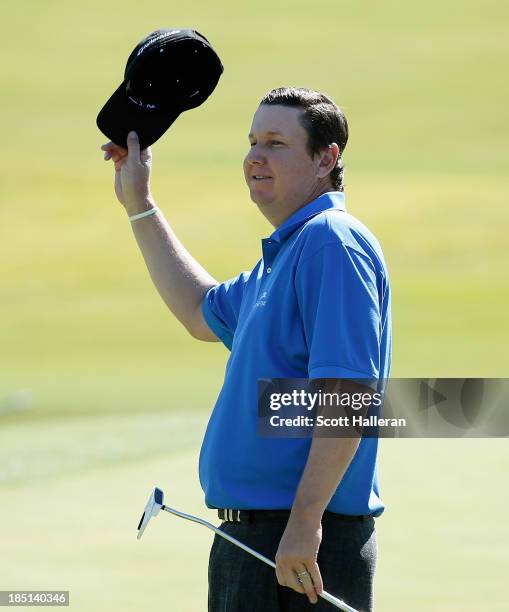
(103, 395)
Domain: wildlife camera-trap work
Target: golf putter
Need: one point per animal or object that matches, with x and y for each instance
(156, 503)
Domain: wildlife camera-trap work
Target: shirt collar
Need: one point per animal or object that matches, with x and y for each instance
(331, 199)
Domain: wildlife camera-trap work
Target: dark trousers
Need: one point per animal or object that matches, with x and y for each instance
(238, 582)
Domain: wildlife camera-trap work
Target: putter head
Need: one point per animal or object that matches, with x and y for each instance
(154, 504)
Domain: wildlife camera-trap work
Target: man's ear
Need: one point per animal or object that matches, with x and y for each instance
(328, 160)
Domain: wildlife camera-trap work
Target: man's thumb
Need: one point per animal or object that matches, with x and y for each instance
(133, 145)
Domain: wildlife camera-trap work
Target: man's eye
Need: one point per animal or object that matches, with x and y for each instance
(270, 142)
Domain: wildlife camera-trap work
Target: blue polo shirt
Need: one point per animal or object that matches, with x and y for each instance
(317, 305)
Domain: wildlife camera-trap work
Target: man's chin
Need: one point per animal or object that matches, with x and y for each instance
(261, 199)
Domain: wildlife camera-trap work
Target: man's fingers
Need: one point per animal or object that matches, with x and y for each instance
(304, 577)
(316, 577)
(288, 578)
(113, 151)
(118, 155)
(146, 155)
(280, 577)
(111, 147)
(293, 581)
(133, 146)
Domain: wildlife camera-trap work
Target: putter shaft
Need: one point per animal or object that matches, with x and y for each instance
(324, 595)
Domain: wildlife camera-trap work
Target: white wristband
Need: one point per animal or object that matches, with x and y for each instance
(146, 213)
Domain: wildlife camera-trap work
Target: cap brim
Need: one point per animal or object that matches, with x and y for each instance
(119, 116)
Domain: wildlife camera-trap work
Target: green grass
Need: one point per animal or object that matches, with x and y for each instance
(90, 357)
(73, 490)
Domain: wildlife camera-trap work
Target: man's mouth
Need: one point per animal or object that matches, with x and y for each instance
(260, 177)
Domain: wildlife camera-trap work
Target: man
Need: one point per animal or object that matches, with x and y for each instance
(317, 305)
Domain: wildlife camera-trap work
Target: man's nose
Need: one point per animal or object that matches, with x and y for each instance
(254, 156)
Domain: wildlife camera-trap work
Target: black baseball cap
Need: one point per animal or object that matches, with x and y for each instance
(169, 71)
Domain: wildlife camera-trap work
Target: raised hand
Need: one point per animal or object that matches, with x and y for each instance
(132, 173)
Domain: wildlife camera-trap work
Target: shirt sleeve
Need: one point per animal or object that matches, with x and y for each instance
(339, 304)
(221, 307)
